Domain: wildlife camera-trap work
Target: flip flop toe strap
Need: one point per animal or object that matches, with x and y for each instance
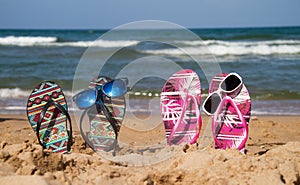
(108, 116)
(218, 127)
(63, 111)
(179, 121)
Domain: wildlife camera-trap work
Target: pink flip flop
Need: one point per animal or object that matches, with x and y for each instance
(229, 104)
(179, 103)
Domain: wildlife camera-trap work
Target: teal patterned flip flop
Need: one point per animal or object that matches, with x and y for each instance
(47, 113)
(102, 135)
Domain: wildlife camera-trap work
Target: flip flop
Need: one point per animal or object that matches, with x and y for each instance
(48, 115)
(179, 103)
(104, 131)
(232, 114)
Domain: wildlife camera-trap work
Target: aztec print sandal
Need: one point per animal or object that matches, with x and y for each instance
(229, 104)
(105, 113)
(48, 115)
(179, 103)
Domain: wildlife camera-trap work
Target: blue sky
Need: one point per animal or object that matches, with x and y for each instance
(95, 14)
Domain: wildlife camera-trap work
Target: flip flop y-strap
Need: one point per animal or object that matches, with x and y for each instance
(63, 111)
(217, 129)
(179, 121)
(109, 117)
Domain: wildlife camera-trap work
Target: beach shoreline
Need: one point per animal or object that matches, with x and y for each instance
(273, 157)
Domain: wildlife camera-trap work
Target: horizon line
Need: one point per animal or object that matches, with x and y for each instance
(191, 28)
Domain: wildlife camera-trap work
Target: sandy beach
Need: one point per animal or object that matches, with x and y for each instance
(167, 58)
(273, 157)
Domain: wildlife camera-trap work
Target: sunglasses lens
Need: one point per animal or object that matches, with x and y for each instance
(231, 83)
(212, 103)
(115, 88)
(86, 99)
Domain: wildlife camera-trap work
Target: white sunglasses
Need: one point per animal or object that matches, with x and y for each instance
(229, 84)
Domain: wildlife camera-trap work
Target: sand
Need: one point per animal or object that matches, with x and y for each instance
(273, 157)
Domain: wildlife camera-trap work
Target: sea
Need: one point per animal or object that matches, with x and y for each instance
(268, 60)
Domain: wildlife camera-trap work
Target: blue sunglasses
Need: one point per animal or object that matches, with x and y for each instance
(87, 98)
(113, 89)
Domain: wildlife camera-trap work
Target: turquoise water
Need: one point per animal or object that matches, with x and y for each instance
(268, 59)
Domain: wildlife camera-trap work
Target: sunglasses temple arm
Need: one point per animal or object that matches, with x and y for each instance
(82, 132)
(199, 121)
(126, 80)
(109, 116)
(218, 111)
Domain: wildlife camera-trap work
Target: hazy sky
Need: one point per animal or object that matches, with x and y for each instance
(97, 14)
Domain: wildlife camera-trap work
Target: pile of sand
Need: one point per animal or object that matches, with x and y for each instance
(29, 163)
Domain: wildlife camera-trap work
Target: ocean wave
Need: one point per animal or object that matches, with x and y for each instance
(99, 43)
(20, 93)
(26, 41)
(204, 47)
(13, 93)
(222, 48)
(237, 43)
(54, 42)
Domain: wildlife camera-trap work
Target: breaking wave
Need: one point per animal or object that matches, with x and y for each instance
(54, 42)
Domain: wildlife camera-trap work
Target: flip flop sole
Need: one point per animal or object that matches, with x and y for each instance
(53, 130)
(173, 101)
(228, 129)
(102, 134)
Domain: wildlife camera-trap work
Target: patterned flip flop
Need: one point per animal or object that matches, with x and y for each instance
(231, 119)
(179, 103)
(48, 115)
(103, 134)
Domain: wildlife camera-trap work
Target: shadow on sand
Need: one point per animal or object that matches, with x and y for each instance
(7, 119)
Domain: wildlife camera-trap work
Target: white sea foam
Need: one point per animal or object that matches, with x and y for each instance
(13, 93)
(205, 47)
(99, 43)
(13, 108)
(26, 41)
(222, 48)
(20, 93)
(52, 42)
(239, 43)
